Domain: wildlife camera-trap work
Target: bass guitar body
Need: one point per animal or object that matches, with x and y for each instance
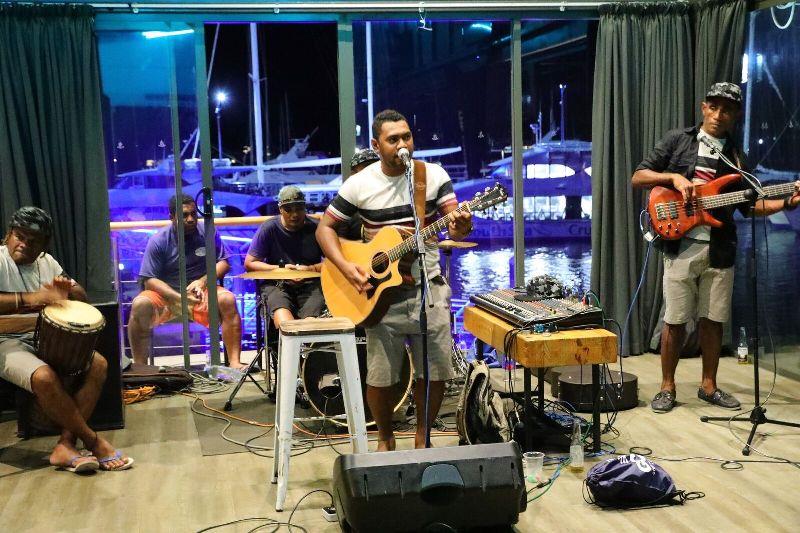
(671, 217)
(343, 300)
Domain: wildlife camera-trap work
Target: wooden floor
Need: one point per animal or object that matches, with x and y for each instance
(174, 488)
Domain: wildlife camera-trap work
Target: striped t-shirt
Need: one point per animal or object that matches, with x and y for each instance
(705, 171)
(383, 200)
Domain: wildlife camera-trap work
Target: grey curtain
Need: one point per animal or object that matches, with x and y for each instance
(51, 136)
(654, 64)
(719, 27)
(642, 88)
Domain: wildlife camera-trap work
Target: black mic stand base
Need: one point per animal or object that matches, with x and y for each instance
(757, 417)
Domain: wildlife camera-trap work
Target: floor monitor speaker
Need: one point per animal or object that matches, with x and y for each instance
(436, 489)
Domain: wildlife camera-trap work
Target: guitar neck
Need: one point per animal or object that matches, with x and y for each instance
(409, 245)
(740, 197)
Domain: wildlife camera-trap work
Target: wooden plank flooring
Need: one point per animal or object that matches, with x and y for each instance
(174, 488)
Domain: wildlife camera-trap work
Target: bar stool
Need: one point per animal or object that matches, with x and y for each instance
(293, 334)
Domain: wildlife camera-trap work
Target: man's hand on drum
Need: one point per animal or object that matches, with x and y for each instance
(299, 268)
(49, 293)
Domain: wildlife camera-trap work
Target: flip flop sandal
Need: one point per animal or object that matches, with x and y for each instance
(87, 465)
(117, 456)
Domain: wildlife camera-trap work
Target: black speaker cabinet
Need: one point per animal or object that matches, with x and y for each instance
(109, 413)
(110, 410)
(436, 489)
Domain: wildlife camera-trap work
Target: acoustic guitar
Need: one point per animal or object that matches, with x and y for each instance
(671, 217)
(380, 258)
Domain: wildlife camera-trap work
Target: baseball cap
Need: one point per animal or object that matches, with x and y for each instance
(727, 90)
(367, 155)
(291, 194)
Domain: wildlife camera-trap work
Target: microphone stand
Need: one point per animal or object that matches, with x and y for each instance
(757, 415)
(424, 292)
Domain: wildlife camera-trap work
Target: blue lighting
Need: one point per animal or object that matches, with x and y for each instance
(481, 26)
(221, 97)
(159, 34)
(121, 266)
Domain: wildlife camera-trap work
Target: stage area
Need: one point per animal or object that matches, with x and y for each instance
(175, 487)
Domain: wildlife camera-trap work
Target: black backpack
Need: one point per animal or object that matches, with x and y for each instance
(481, 417)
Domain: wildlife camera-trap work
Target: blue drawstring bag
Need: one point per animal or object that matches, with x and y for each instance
(632, 480)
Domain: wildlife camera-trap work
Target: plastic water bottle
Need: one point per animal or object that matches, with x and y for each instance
(221, 372)
(741, 349)
(576, 447)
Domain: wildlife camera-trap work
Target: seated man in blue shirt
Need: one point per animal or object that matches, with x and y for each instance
(160, 301)
(288, 240)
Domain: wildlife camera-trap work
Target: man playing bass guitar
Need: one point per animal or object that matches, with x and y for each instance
(379, 193)
(698, 268)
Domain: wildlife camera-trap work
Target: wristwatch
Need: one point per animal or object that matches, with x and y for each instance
(787, 206)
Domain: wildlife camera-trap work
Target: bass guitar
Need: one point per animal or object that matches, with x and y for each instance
(671, 217)
(380, 258)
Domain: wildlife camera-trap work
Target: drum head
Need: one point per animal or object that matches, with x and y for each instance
(320, 377)
(70, 314)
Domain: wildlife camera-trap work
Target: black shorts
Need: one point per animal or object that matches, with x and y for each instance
(303, 300)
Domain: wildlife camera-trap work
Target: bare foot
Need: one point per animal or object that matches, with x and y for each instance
(238, 365)
(386, 445)
(65, 454)
(103, 449)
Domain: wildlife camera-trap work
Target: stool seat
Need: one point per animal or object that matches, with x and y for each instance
(317, 326)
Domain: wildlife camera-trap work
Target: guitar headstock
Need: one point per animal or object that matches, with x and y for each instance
(489, 197)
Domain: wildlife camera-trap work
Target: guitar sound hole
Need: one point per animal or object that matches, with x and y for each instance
(380, 263)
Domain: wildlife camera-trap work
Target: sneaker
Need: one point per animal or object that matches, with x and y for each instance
(719, 398)
(663, 402)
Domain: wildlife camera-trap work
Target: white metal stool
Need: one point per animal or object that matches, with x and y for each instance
(293, 334)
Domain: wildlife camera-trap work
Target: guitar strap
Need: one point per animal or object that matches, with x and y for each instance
(420, 187)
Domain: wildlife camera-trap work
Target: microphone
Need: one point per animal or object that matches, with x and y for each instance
(704, 140)
(404, 156)
(753, 181)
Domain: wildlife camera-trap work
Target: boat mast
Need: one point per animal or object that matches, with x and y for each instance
(255, 79)
(370, 96)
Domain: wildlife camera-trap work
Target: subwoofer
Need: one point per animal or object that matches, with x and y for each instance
(435, 489)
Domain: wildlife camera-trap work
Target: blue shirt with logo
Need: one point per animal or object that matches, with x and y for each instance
(161, 256)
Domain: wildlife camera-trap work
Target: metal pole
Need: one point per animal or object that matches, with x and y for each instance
(563, 103)
(219, 133)
(201, 88)
(516, 152)
(176, 139)
(255, 78)
(370, 95)
(347, 112)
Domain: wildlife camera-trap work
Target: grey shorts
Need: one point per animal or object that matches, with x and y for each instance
(386, 340)
(692, 288)
(18, 361)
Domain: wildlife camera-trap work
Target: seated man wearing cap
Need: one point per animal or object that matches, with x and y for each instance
(30, 279)
(288, 241)
(159, 275)
(698, 268)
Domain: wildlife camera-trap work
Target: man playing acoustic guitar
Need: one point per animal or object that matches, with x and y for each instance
(698, 268)
(380, 195)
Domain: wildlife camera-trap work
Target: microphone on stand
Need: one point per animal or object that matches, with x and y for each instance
(753, 181)
(405, 156)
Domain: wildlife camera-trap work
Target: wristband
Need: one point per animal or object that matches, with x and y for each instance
(787, 206)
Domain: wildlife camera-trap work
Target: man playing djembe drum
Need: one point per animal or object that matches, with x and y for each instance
(29, 280)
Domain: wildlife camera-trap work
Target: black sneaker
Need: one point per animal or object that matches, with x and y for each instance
(719, 398)
(663, 402)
